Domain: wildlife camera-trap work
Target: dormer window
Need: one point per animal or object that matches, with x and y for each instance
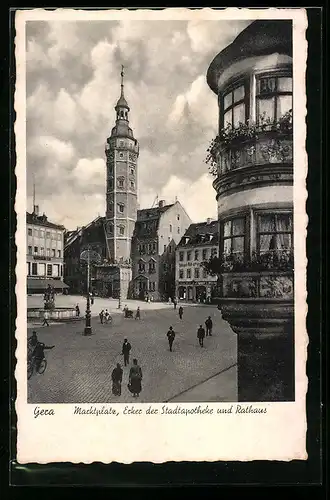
(234, 106)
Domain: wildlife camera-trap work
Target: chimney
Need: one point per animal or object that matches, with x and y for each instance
(36, 209)
(161, 203)
(208, 220)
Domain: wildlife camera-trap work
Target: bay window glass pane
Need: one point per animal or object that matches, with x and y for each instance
(239, 93)
(283, 222)
(267, 85)
(228, 100)
(227, 118)
(266, 223)
(284, 84)
(284, 104)
(238, 244)
(227, 246)
(239, 114)
(267, 108)
(265, 242)
(227, 228)
(238, 226)
(284, 241)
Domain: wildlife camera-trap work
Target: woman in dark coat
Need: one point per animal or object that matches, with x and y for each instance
(117, 377)
(135, 378)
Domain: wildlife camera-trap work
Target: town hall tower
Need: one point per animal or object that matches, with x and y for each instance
(122, 151)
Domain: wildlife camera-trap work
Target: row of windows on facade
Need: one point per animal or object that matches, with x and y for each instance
(120, 230)
(273, 99)
(167, 266)
(120, 207)
(198, 273)
(146, 224)
(50, 252)
(152, 286)
(37, 269)
(40, 233)
(121, 183)
(205, 254)
(274, 234)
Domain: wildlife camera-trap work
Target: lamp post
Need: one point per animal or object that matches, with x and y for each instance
(86, 256)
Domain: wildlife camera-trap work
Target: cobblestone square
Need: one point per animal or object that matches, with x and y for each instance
(79, 367)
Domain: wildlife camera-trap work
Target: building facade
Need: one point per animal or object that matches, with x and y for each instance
(157, 232)
(44, 258)
(122, 151)
(199, 244)
(252, 160)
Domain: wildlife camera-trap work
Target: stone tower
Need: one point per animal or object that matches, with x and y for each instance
(122, 151)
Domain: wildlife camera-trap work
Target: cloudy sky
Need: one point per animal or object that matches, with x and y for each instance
(73, 83)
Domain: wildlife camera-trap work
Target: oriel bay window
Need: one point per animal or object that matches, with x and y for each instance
(234, 106)
(233, 238)
(274, 97)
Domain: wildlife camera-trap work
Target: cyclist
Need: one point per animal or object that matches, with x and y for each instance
(39, 353)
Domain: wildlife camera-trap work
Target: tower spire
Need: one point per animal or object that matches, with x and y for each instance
(122, 81)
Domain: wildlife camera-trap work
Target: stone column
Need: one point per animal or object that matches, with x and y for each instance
(266, 366)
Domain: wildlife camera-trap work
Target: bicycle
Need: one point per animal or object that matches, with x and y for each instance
(31, 367)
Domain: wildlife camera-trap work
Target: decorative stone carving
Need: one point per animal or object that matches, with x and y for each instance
(276, 287)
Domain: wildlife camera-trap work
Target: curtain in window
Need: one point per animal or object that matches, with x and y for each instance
(266, 225)
(284, 104)
(227, 118)
(239, 114)
(266, 108)
(238, 226)
(283, 223)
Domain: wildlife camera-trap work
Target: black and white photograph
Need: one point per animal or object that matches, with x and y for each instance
(160, 212)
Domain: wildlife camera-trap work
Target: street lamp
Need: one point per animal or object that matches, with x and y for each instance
(89, 256)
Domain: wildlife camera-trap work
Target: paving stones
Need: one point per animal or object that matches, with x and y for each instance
(79, 367)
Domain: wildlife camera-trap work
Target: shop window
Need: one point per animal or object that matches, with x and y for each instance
(234, 106)
(274, 97)
(234, 239)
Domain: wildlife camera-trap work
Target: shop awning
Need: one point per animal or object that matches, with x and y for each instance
(43, 284)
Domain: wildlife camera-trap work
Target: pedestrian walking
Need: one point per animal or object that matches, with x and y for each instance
(135, 379)
(126, 351)
(171, 337)
(180, 312)
(174, 303)
(77, 310)
(101, 315)
(46, 318)
(138, 314)
(209, 326)
(201, 335)
(117, 377)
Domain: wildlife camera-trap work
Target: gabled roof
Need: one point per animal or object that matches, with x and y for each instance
(147, 222)
(42, 220)
(200, 234)
(72, 236)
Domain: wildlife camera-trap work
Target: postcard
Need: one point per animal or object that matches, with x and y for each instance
(161, 235)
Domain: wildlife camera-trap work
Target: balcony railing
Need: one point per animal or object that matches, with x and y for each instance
(251, 144)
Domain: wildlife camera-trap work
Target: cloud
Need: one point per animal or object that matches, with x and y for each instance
(73, 84)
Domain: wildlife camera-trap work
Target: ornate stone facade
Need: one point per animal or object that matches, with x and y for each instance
(251, 159)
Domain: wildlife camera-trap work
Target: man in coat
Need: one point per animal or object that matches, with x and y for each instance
(180, 312)
(171, 337)
(201, 335)
(209, 326)
(125, 351)
(117, 377)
